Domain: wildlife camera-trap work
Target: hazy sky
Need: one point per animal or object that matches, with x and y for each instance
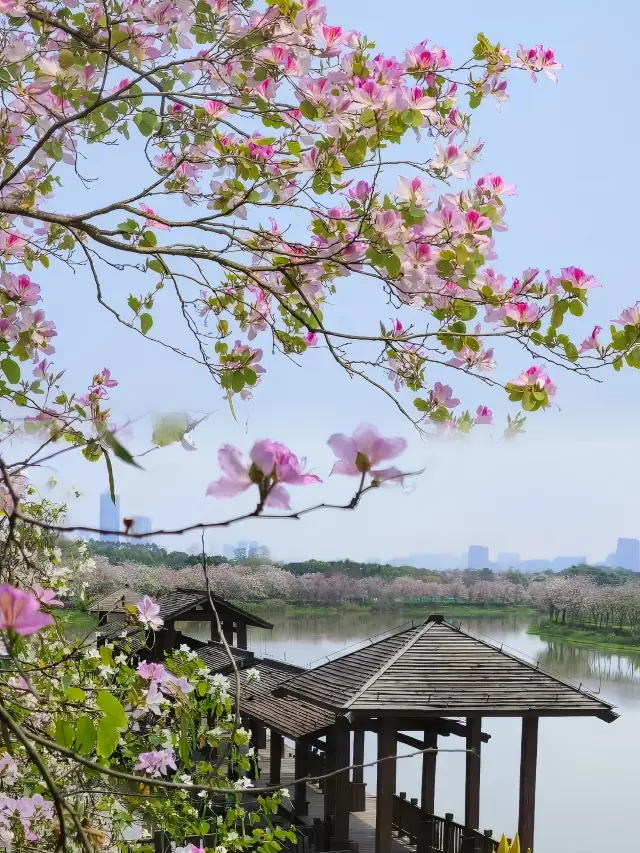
(569, 486)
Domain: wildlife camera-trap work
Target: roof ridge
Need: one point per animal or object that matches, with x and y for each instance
(410, 642)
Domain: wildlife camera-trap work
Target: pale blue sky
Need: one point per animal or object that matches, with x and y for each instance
(569, 485)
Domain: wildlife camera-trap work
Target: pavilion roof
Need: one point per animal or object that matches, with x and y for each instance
(115, 601)
(174, 604)
(290, 717)
(437, 669)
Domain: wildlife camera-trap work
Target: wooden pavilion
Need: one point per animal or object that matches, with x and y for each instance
(419, 679)
(192, 605)
(111, 607)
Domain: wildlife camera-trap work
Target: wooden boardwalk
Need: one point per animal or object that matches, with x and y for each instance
(362, 825)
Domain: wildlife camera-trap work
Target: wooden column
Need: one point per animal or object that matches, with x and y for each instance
(358, 801)
(358, 755)
(329, 785)
(528, 761)
(340, 838)
(386, 784)
(275, 758)
(215, 636)
(242, 635)
(472, 777)
(428, 798)
(301, 763)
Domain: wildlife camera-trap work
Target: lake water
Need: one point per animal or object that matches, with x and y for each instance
(588, 770)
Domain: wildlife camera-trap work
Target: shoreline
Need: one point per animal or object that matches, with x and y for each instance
(577, 635)
(475, 611)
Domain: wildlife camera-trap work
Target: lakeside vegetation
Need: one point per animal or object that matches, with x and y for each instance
(611, 639)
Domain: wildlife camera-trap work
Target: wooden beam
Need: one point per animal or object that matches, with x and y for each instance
(428, 798)
(472, 776)
(528, 764)
(358, 755)
(275, 758)
(386, 786)
(340, 838)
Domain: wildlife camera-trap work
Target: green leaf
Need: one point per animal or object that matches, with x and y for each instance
(75, 694)
(112, 709)
(156, 266)
(576, 308)
(112, 485)
(146, 121)
(129, 227)
(134, 303)
(64, 733)
(119, 451)
(11, 370)
(421, 405)
(308, 110)
(44, 260)
(393, 265)
(85, 735)
(167, 429)
(149, 239)
(146, 322)
(108, 737)
(237, 381)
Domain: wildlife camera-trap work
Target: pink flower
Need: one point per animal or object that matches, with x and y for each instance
(442, 396)
(578, 278)
(494, 185)
(311, 339)
(592, 341)
(149, 614)
(535, 377)
(101, 381)
(156, 763)
(216, 109)
(20, 289)
(46, 596)
(271, 464)
(360, 192)
(484, 415)
(412, 191)
(522, 312)
(358, 454)
(152, 223)
(474, 222)
(20, 611)
(152, 672)
(630, 316)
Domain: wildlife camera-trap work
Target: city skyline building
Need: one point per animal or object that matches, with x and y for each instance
(628, 554)
(141, 524)
(109, 517)
(478, 557)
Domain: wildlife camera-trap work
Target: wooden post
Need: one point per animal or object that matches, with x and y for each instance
(358, 755)
(386, 786)
(242, 635)
(275, 758)
(340, 839)
(301, 765)
(329, 785)
(428, 798)
(215, 636)
(528, 762)
(472, 778)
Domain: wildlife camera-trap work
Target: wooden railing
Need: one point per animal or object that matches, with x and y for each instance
(433, 834)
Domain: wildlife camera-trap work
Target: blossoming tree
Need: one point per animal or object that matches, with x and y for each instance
(271, 168)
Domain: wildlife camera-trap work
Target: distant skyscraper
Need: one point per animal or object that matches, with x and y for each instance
(478, 557)
(628, 554)
(109, 517)
(141, 524)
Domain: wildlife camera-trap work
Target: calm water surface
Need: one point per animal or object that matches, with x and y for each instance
(588, 770)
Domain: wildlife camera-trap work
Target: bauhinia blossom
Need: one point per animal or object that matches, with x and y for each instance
(362, 452)
(156, 763)
(20, 611)
(148, 613)
(270, 468)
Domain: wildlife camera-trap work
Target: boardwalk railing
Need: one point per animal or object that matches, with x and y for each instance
(433, 834)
